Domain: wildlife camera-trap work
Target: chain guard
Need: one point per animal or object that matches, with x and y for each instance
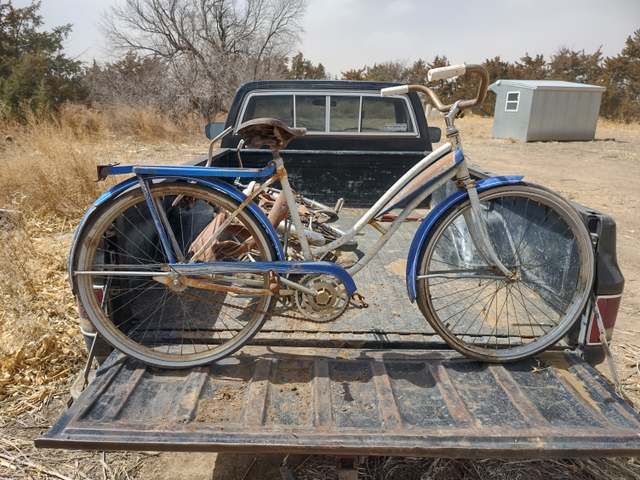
(356, 300)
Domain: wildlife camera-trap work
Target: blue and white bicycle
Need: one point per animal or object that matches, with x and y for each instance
(176, 267)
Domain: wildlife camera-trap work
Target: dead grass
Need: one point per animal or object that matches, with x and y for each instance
(48, 164)
(47, 173)
(20, 459)
(626, 356)
(40, 346)
(383, 468)
(477, 127)
(470, 125)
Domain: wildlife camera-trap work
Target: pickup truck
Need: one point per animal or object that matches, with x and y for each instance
(377, 381)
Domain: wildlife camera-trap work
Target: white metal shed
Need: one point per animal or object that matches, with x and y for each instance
(542, 110)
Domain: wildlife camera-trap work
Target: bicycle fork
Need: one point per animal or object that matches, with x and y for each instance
(477, 226)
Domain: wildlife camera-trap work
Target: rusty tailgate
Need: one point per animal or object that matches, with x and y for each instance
(353, 402)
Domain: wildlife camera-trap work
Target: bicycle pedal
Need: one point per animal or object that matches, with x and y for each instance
(357, 301)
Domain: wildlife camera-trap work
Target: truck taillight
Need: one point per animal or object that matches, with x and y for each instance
(608, 306)
(85, 325)
(99, 291)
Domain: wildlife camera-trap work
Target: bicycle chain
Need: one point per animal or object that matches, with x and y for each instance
(358, 298)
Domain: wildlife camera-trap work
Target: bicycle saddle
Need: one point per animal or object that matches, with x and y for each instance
(268, 131)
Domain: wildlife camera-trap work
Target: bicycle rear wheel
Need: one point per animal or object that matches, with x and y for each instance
(476, 309)
(123, 283)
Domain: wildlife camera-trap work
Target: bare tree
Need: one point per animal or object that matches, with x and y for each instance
(211, 45)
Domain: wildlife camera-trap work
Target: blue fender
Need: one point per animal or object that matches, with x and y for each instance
(221, 187)
(435, 214)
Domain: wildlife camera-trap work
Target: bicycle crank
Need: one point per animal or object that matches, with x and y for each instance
(328, 303)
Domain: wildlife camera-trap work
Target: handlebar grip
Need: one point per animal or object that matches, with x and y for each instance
(446, 72)
(390, 91)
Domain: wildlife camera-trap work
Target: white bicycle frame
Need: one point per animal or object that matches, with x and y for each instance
(476, 226)
(437, 167)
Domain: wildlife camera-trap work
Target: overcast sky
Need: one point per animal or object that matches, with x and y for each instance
(346, 34)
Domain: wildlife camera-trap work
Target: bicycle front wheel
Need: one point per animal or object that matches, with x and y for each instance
(479, 312)
(125, 285)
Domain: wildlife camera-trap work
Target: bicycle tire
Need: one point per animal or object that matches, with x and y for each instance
(162, 324)
(500, 320)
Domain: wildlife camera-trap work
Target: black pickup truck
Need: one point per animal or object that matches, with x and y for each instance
(377, 381)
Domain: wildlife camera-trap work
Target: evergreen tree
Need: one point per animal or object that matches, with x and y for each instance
(303, 69)
(574, 66)
(497, 69)
(391, 71)
(354, 74)
(445, 89)
(417, 74)
(621, 77)
(529, 68)
(34, 71)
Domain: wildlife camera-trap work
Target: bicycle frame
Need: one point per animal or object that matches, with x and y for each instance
(418, 183)
(411, 189)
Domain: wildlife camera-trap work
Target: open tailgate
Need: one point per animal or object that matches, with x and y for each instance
(353, 402)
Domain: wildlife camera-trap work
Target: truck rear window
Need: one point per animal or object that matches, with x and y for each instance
(344, 114)
(272, 106)
(334, 113)
(311, 112)
(385, 115)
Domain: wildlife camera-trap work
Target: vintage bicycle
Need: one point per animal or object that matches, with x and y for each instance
(177, 267)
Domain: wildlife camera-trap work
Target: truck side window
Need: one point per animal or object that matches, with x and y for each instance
(345, 113)
(385, 115)
(270, 106)
(311, 112)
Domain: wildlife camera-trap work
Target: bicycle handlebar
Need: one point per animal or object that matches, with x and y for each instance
(443, 73)
(446, 72)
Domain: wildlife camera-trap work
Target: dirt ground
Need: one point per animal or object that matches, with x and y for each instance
(598, 174)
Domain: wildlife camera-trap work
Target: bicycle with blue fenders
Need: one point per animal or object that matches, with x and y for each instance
(177, 267)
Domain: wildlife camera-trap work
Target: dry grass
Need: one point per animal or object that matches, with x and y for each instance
(40, 347)
(47, 173)
(387, 468)
(19, 459)
(477, 127)
(48, 165)
(626, 357)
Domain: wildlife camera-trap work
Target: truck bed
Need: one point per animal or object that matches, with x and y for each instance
(377, 381)
(391, 319)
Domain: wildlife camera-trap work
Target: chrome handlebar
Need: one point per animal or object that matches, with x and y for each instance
(442, 73)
